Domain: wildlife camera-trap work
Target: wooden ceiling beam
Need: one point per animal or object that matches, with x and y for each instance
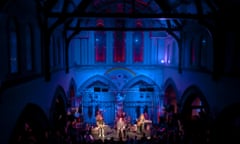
(122, 29)
(131, 15)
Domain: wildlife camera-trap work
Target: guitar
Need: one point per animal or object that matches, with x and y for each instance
(100, 124)
(140, 122)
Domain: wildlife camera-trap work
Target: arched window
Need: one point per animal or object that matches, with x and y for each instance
(52, 52)
(13, 47)
(203, 51)
(55, 51)
(100, 46)
(119, 46)
(58, 43)
(192, 52)
(29, 49)
(138, 43)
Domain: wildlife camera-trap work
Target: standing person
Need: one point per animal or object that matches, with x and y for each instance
(100, 124)
(140, 123)
(121, 128)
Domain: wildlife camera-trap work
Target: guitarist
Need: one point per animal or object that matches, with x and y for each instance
(140, 123)
(100, 124)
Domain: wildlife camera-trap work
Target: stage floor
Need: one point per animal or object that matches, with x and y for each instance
(111, 133)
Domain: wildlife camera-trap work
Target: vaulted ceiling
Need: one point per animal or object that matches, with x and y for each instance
(126, 15)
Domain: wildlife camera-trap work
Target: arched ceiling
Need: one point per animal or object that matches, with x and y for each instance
(125, 15)
(167, 15)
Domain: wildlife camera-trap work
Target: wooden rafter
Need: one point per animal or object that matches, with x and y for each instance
(199, 6)
(122, 29)
(49, 4)
(131, 15)
(75, 32)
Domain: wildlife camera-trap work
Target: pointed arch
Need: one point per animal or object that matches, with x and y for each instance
(141, 79)
(169, 83)
(170, 96)
(195, 113)
(35, 118)
(97, 79)
(95, 97)
(71, 93)
(29, 46)
(141, 94)
(72, 86)
(58, 108)
(13, 45)
(189, 95)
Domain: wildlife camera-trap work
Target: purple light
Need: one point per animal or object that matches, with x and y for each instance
(162, 61)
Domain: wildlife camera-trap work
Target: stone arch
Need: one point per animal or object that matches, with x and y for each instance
(35, 118)
(140, 79)
(97, 78)
(189, 95)
(195, 115)
(98, 93)
(58, 109)
(13, 34)
(72, 85)
(141, 94)
(71, 93)
(227, 124)
(170, 96)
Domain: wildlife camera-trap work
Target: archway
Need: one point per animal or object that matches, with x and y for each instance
(141, 95)
(170, 97)
(98, 94)
(58, 112)
(195, 115)
(30, 126)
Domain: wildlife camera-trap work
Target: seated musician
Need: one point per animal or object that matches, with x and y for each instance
(100, 124)
(140, 123)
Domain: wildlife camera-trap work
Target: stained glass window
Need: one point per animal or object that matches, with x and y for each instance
(119, 47)
(138, 41)
(100, 46)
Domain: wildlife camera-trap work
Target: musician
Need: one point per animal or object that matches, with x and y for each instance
(140, 123)
(121, 128)
(100, 123)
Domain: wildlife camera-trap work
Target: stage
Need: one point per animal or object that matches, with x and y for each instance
(110, 133)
